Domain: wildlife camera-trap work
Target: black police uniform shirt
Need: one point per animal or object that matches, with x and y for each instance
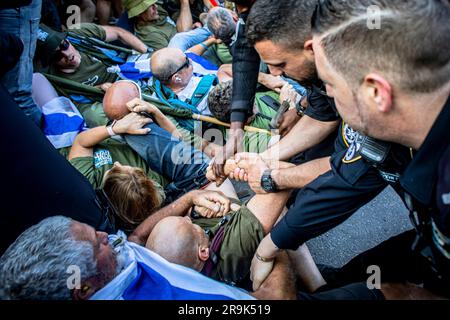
(353, 182)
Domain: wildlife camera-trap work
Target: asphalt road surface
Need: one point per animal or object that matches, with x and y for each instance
(383, 217)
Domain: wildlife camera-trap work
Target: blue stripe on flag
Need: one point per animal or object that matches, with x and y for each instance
(60, 123)
(201, 61)
(150, 285)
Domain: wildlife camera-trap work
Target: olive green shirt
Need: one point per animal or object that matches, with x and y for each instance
(157, 34)
(91, 71)
(105, 154)
(243, 233)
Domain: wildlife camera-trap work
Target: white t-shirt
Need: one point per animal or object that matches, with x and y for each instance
(187, 93)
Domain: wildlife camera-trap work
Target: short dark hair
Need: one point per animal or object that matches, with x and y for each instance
(411, 47)
(286, 22)
(219, 101)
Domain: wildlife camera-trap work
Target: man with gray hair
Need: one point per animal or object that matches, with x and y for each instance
(60, 259)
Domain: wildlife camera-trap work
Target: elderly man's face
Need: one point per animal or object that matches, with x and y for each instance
(103, 252)
(67, 57)
(291, 63)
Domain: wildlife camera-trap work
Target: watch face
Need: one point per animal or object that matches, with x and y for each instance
(267, 183)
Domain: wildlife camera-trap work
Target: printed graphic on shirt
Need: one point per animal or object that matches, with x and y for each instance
(102, 157)
(91, 81)
(352, 140)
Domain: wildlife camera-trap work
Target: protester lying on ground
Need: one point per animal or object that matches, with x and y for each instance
(219, 247)
(164, 153)
(66, 61)
(36, 267)
(175, 80)
(152, 23)
(212, 42)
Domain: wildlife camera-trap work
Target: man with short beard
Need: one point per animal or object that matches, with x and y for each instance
(366, 166)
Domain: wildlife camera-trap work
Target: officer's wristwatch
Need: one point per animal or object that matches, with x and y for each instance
(267, 183)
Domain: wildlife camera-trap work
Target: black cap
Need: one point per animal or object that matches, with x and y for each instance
(48, 40)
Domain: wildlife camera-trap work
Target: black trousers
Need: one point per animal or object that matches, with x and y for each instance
(37, 182)
(397, 262)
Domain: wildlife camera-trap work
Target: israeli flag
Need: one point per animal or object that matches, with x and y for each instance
(138, 67)
(201, 65)
(62, 122)
(147, 276)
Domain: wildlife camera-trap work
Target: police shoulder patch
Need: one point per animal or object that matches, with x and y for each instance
(353, 140)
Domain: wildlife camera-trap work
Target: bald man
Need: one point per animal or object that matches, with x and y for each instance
(182, 240)
(176, 79)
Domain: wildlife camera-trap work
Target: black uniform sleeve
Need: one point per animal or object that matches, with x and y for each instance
(328, 201)
(321, 107)
(246, 63)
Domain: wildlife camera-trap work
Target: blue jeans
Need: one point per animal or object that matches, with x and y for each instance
(23, 22)
(182, 164)
(188, 39)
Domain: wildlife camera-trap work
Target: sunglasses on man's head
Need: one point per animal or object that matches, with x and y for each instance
(63, 46)
(184, 65)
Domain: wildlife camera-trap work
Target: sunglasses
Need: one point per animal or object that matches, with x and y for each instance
(63, 46)
(186, 64)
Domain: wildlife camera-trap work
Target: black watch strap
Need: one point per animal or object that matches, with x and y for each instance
(267, 183)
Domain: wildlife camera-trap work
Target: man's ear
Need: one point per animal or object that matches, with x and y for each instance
(308, 48)
(203, 253)
(87, 290)
(378, 92)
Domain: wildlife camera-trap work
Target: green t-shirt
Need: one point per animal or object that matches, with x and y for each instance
(223, 53)
(243, 233)
(108, 152)
(91, 71)
(254, 141)
(157, 34)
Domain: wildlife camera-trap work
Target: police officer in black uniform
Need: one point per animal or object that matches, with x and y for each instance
(420, 256)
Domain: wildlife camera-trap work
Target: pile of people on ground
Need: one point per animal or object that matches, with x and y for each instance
(188, 149)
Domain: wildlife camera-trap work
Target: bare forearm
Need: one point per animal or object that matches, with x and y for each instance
(299, 176)
(280, 284)
(131, 40)
(305, 134)
(92, 137)
(177, 208)
(184, 21)
(199, 49)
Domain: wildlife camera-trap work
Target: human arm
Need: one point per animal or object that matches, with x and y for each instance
(251, 168)
(213, 201)
(138, 105)
(271, 82)
(116, 33)
(184, 21)
(307, 133)
(200, 48)
(280, 283)
(84, 142)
